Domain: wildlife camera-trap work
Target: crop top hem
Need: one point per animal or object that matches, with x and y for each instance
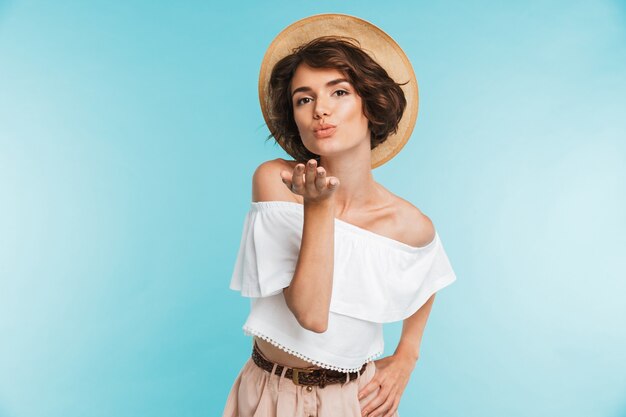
(251, 332)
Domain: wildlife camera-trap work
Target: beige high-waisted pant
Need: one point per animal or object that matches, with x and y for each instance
(257, 393)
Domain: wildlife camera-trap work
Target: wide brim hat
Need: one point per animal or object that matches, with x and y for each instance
(374, 41)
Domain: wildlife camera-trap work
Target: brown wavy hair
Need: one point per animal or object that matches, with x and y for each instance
(383, 99)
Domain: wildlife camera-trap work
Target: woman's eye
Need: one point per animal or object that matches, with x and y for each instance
(301, 102)
(308, 99)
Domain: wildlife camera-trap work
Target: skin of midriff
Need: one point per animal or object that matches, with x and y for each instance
(281, 357)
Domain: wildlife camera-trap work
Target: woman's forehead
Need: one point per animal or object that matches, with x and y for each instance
(309, 77)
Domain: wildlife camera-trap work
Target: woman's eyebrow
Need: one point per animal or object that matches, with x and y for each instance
(328, 84)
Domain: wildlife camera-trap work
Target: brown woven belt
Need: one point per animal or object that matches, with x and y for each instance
(301, 376)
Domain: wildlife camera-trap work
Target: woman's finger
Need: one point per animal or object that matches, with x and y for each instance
(286, 177)
(374, 404)
(383, 408)
(297, 180)
(393, 409)
(320, 179)
(288, 184)
(310, 174)
(371, 386)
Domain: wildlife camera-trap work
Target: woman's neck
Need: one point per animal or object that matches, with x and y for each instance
(358, 188)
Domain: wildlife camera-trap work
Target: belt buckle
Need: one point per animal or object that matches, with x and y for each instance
(295, 376)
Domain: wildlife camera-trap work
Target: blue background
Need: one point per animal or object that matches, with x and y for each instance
(129, 132)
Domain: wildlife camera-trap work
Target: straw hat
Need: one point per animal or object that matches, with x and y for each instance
(379, 45)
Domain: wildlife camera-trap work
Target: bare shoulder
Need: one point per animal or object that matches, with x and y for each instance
(413, 226)
(267, 184)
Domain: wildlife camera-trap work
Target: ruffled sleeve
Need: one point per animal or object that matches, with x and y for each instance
(268, 252)
(383, 280)
(375, 278)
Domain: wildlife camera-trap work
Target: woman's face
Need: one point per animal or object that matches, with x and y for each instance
(324, 98)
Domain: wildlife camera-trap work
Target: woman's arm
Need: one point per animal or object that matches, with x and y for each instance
(309, 293)
(381, 396)
(393, 372)
(413, 330)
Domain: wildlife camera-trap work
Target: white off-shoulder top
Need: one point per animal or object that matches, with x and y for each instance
(376, 280)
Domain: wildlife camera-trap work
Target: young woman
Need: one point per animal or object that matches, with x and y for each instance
(328, 254)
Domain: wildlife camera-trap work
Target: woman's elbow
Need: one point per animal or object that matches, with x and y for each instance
(317, 326)
(313, 322)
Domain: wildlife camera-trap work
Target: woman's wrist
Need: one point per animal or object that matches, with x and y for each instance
(320, 209)
(325, 204)
(408, 355)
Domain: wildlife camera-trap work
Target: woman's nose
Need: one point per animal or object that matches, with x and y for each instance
(321, 108)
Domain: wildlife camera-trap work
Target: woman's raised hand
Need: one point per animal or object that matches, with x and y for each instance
(310, 182)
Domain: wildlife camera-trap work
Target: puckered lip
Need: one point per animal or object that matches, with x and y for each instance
(323, 126)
